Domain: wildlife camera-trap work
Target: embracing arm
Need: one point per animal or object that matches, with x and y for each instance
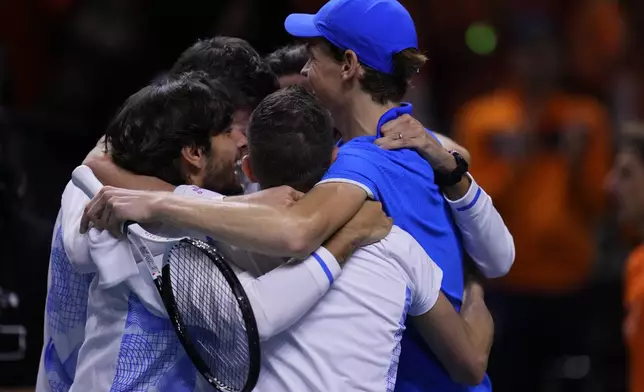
(296, 230)
(100, 161)
(485, 236)
(462, 342)
(282, 296)
(291, 230)
(301, 284)
(451, 145)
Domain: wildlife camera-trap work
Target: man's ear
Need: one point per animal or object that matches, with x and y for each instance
(247, 169)
(194, 157)
(334, 154)
(351, 67)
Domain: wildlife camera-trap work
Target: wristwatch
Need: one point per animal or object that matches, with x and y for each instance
(454, 177)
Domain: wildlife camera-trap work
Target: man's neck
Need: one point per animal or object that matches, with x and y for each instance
(360, 117)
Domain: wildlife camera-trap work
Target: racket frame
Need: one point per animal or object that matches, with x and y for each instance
(242, 300)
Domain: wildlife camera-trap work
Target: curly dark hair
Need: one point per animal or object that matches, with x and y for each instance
(235, 62)
(154, 124)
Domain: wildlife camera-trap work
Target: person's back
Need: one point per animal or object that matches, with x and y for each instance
(404, 183)
(359, 323)
(401, 180)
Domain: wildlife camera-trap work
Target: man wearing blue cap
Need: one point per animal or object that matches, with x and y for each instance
(362, 56)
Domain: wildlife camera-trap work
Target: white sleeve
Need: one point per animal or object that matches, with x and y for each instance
(486, 238)
(424, 275)
(76, 244)
(195, 191)
(281, 297)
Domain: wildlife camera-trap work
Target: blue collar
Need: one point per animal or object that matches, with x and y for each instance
(391, 114)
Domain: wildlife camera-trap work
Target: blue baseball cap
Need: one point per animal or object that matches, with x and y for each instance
(374, 29)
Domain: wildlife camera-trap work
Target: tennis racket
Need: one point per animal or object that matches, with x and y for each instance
(205, 301)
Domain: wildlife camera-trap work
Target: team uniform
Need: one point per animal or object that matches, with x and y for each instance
(129, 342)
(404, 183)
(67, 293)
(340, 344)
(350, 339)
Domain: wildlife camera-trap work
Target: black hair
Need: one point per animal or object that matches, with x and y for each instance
(235, 62)
(290, 139)
(288, 60)
(154, 124)
(385, 87)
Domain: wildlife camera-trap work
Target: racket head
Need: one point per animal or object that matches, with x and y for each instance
(212, 315)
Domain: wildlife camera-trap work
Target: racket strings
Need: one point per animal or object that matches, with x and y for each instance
(208, 309)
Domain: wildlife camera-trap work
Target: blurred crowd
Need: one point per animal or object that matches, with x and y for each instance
(537, 91)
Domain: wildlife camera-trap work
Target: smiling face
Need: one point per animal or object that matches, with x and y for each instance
(220, 172)
(324, 75)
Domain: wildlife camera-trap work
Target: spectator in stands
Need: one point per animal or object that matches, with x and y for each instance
(626, 183)
(539, 152)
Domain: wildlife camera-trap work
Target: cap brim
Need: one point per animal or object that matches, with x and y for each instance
(301, 25)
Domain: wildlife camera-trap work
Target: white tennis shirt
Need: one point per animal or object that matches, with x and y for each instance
(350, 340)
(294, 360)
(119, 337)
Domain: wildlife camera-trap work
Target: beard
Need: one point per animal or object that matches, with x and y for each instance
(222, 178)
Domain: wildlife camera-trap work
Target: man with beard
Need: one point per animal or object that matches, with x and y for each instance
(179, 131)
(249, 80)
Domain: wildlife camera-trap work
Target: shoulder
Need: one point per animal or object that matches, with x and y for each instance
(399, 239)
(361, 148)
(399, 245)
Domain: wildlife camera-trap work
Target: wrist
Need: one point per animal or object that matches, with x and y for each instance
(160, 206)
(444, 162)
(458, 190)
(450, 171)
(342, 244)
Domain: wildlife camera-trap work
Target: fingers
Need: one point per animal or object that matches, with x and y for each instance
(113, 223)
(393, 142)
(402, 124)
(85, 221)
(98, 211)
(90, 211)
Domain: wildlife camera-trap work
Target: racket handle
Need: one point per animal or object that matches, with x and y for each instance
(83, 177)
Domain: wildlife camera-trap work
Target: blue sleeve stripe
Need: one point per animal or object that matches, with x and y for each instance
(326, 270)
(467, 207)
